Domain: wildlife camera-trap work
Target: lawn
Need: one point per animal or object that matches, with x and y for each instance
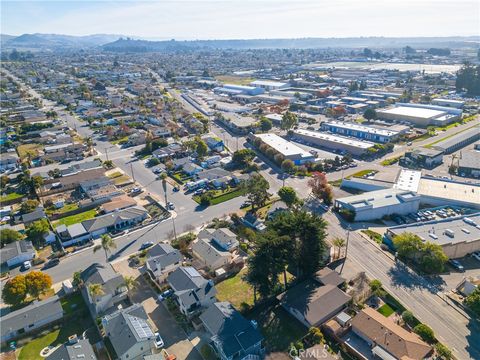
(63, 210)
(362, 173)
(391, 161)
(232, 79)
(278, 327)
(386, 310)
(222, 197)
(236, 291)
(77, 218)
(72, 303)
(25, 149)
(11, 196)
(31, 351)
(373, 235)
(122, 179)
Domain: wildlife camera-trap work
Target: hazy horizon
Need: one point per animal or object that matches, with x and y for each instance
(247, 19)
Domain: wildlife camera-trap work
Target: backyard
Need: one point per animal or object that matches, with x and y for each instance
(77, 218)
(66, 208)
(26, 150)
(9, 196)
(236, 290)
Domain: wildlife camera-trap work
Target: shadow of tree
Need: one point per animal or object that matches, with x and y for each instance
(402, 276)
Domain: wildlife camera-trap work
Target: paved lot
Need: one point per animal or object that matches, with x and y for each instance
(175, 339)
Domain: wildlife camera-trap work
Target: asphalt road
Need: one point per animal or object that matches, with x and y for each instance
(460, 333)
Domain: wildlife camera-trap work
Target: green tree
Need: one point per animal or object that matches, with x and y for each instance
(288, 166)
(15, 291)
(473, 301)
(265, 124)
(339, 244)
(4, 180)
(320, 187)
(370, 114)
(256, 190)
(95, 290)
(107, 244)
(289, 120)
(202, 148)
(307, 231)
(8, 236)
(130, 282)
(243, 157)
(409, 318)
(468, 79)
(77, 279)
(288, 195)
(29, 206)
(425, 332)
(37, 230)
(443, 352)
(376, 288)
(37, 283)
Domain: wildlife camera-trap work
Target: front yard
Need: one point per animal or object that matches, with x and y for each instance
(77, 218)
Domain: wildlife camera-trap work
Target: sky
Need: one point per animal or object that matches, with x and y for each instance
(243, 19)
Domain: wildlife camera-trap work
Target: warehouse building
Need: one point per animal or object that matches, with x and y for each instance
(459, 140)
(380, 135)
(457, 236)
(469, 164)
(423, 158)
(438, 192)
(289, 150)
(458, 104)
(233, 89)
(378, 204)
(269, 84)
(418, 116)
(333, 142)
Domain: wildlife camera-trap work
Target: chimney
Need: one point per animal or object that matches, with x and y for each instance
(73, 339)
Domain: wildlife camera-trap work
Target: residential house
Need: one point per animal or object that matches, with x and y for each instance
(191, 290)
(72, 234)
(30, 318)
(62, 152)
(170, 151)
(386, 339)
(222, 237)
(191, 169)
(33, 216)
(9, 161)
(162, 259)
(158, 131)
(276, 208)
(139, 137)
(115, 221)
(129, 333)
(231, 335)
(214, 143)
(17, 252)
(118, 203)
(104, 193)
(74, 349)
(113, 288)
(71, 182)
(316, 300)
(94, 183)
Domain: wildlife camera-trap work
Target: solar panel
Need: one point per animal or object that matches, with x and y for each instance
(141, 327)
(192, 272)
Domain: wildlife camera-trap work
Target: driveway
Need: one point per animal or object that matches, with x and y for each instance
(175, 339)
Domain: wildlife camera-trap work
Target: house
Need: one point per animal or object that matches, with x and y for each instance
(115, 221)
(251, 220)
(317, 299)
(468, 285)
(9, 161)
(222, 237)
(94, 183)
(139, 137)
(276, 208)
(214, 143)
(63, 151)
(231, 335)
(191, 169)
(118, 203)
(162, 259)
(17, 252)
(191, 290)
(171, 151)
(210, 254)
(104, 193)
(129, 333)
(73, 349)
(33, 216)
(387, 339)
(30, 318)
(72, 234)
(72, 181)
(113, 287)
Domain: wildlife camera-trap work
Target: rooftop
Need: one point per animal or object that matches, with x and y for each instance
(378, 198)
(449, 189)
(363, 128)
(286, 148)
(335, 138)
(413, 111)
(455, 139)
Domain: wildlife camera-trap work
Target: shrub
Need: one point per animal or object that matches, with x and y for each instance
(443, 352)
(409, 318)
(425, 332)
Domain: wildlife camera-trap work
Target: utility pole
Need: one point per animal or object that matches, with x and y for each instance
(346, 249)
(131, 168)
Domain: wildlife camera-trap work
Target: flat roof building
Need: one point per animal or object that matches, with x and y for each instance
(457, 236)
(375, 205)
(437, 192)
(333, 142)
(458, 104)
(459, 140)
(380, 135)
(469, 164)
(417, 115)
(288, 149)
(422, 158)
(269, 84)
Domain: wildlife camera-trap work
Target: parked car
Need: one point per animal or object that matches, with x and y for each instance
(158, 341)
(170, 206)
(51, 263)
(244, 205)
(165, 295)
(199, 192)
(476, 255)
(176, 189)
(135, 191)
(456, 265)
(27, 265)
(146, 245)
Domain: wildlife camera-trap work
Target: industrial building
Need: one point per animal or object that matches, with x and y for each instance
(371, 133)
(378, 204)
(289, 150)
(422, 158)
(233, 89)
(457, 236)
(419, 116)
(269, 84)
(333, 142)
(459, 140)
(469, 164)
(236, 123)
(438, 192)
(458, 104)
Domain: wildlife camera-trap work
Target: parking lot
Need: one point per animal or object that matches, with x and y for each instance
(430, 214)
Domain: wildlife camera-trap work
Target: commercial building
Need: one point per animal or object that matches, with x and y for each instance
(459, 140)
(380, 135)
(238, 124)
(418, 116)
(333, 142)
(269, 84)
(422, 158)
(458, 104)
(375, 205)
(469, 164)
(233, 89)
(438, 192)
(289, 150)
(457, 236)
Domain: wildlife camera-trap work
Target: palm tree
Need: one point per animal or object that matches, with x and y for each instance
(338, 243)
(130, 283)
(89, 143)
(95, 290)
(77, 279)
(107, 244)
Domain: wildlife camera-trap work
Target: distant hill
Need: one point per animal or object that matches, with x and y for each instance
(131, 45)
(55, 41)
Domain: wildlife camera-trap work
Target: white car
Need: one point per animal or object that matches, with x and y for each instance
(476, 255)
(158, 341)
(27, 265)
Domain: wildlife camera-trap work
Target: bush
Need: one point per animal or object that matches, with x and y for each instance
(443, 352)
(425, 332)
(409, 318)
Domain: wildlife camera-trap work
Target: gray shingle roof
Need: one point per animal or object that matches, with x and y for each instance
(14, 249)
(103, 274)
(31, 314)
(187, 279)
(75, 351)
(110, 219)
